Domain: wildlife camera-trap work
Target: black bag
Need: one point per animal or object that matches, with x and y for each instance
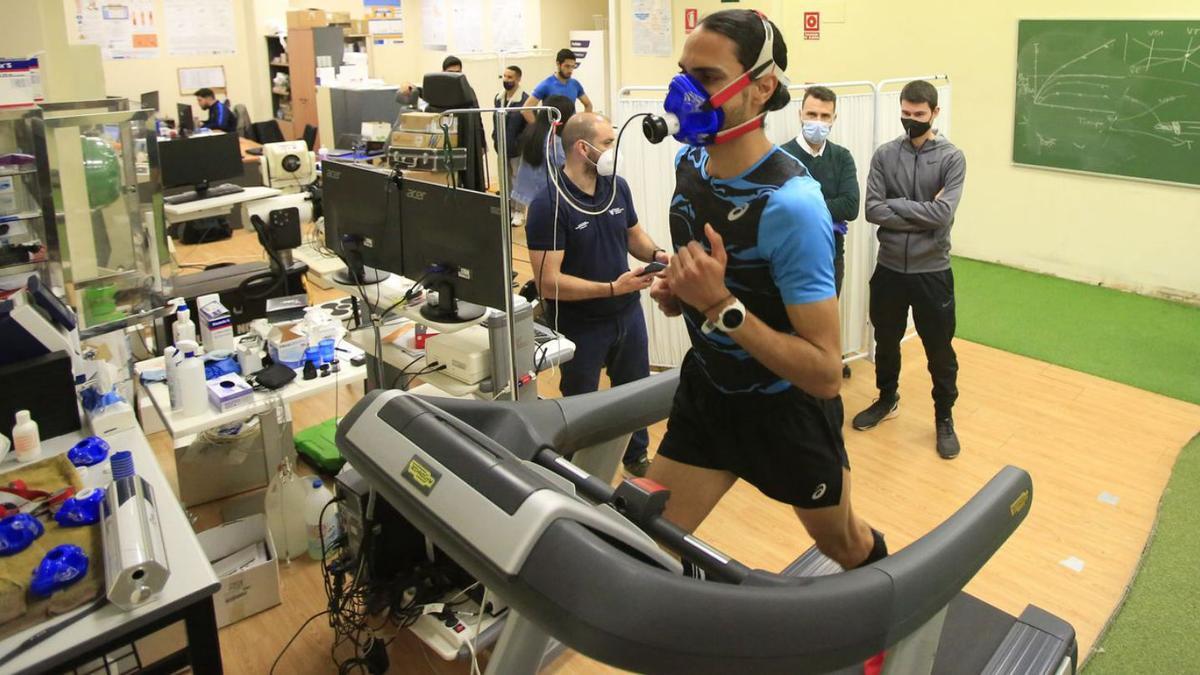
(274, 376)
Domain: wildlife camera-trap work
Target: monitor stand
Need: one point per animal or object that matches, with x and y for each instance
(368, 276)
(449, 308)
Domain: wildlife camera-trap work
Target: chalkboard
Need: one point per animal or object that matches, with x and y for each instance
(1111, 97)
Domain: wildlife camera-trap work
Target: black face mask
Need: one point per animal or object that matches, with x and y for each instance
(914, 128)
(508, 86)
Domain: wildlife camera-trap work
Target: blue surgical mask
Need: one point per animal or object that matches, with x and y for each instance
(816, 132)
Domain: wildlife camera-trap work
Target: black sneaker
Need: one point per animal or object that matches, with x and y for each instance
(882, 409)
(846, 371)
(947, 440)
(638, 468)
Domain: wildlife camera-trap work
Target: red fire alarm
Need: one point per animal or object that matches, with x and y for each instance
(691, 17)
(812, 25)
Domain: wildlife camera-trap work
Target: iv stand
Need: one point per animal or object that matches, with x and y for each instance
(501, 116)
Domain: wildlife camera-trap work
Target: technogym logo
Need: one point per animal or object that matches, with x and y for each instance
(422, 477)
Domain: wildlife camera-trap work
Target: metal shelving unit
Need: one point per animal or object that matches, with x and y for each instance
(28, 237)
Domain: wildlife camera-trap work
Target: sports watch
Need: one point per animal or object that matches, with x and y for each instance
(732, 317)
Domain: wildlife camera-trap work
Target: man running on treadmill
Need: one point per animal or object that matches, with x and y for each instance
(758, 396)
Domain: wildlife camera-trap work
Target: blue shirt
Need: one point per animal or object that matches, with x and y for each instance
(595, 248)
(779, 238)
(552, 86)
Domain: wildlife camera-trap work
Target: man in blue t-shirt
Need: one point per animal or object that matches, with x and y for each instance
(561, 83)
(752, 276)
(580, 262)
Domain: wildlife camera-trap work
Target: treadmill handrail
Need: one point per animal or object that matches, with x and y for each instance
(640, 617)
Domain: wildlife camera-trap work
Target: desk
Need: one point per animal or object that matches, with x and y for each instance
(187, 595)
(245, 144)
(277, 436)
(214, 206)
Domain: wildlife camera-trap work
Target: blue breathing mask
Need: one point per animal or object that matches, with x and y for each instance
(694, 117)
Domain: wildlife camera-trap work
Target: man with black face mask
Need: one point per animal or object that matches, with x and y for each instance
(913, 190)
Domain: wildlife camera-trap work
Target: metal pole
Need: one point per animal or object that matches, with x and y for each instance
(501, 113)
(506, 232)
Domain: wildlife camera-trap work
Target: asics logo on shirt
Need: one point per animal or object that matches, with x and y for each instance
(617, 211)
(738, 212)
(583, 225)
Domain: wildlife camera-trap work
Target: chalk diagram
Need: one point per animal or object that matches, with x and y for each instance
(1137, 86)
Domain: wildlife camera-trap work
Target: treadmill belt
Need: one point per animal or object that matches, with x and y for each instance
(971, 634)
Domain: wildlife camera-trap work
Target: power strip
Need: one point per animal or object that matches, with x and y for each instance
(448, 631)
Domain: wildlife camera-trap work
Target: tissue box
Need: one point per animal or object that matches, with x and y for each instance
(243, 555)
(229, 392)
(286, 345)
(216, 325)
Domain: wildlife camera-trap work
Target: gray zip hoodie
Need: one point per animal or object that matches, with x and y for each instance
(902, 199)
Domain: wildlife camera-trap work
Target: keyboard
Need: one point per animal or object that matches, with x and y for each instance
(222, 190)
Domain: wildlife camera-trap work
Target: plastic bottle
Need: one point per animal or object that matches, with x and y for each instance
(26, 441)
(316, 500)
(190, 371)
(171, 363)
(286, 500)
(184, 329)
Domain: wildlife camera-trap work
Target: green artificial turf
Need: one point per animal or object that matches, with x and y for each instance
(1144, 342)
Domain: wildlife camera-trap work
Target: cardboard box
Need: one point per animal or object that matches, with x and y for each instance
(338, 17)
(252, 588)
(229, 392)
(421, 140)
(426, 122)
(358, 27)
(307, 18)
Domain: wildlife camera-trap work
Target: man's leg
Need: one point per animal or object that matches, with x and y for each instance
(889, 317)
(934, 314)
(841, 535)
(581, 375)
(628, 361)
(694, 491)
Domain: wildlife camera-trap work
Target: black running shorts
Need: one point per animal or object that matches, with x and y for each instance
(788, 445)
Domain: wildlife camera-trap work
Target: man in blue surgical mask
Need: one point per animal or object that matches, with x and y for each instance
(832, 166)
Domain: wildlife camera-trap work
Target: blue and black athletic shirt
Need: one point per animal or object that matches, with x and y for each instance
(779, 239)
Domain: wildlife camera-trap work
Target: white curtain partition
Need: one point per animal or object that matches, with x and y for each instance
(866, 117)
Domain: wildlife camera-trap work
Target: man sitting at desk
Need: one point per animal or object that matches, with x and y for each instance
(220, 117)
(581, 265)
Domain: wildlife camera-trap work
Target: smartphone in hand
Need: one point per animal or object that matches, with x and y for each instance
(652, 268)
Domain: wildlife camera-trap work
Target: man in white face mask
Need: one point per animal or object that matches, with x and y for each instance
(581, 266)
(831, 165)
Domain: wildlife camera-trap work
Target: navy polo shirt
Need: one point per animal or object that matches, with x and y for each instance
(595, 248)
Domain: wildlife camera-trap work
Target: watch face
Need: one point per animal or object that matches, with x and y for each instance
(733, 317)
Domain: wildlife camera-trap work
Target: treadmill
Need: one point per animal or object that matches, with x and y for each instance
(493, 485)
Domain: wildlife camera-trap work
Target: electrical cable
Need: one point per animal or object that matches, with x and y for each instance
(294, 636)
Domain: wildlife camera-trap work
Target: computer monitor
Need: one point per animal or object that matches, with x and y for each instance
(150, 101)
(199, 160)
(452, 239)
(362, 207)
(187, 123)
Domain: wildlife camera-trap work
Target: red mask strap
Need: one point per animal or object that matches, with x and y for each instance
(730, 90)
(740, 130)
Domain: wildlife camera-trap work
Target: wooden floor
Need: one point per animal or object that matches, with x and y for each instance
(1087, 442)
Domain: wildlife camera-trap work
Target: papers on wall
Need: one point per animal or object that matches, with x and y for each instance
(467, 18)
(200, 27)
(386, 31)
(191, 79)
(508, 26)
(652, 27)
(433, 25)
(122, 29)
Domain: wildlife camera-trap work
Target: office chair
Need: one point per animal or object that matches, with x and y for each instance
(266, 132)
(310, 136)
